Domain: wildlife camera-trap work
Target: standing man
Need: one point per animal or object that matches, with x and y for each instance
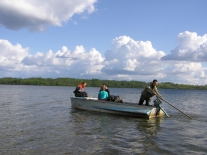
(148, 92)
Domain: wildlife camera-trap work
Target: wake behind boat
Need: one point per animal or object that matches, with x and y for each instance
(126, 108)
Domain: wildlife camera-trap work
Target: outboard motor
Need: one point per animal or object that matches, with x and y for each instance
(157, 104)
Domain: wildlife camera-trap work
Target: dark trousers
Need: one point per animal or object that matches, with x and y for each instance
(141, 101)
(81, 94)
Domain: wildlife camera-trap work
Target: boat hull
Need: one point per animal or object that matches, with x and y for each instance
(129, 109)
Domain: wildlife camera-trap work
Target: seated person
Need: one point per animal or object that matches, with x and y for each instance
(79, 91)
(103, 95)
(107, 90)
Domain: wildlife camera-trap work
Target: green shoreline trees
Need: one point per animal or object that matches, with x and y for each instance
(92, 83)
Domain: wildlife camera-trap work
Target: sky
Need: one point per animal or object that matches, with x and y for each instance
(103, 39)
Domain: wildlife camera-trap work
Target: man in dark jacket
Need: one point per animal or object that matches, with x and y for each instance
(148, 92)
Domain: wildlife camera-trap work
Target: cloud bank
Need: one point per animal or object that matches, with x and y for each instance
(191, 47)
(37, 14)
(127, 59)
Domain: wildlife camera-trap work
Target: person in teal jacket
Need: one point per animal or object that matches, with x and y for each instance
(107, 90)
(103, 94)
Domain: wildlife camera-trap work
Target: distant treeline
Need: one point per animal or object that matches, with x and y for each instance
(92, 83)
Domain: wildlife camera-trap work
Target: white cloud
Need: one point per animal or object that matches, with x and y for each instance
(132, 57)
(185, 72)
(11, 56)
(137, 60)
(66, 63)
(37, 14)
(191, 47)
(126, 60)
(12, 51)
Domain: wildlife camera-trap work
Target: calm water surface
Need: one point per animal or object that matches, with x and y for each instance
(40, 120)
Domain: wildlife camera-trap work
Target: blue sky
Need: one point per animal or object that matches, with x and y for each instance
(117, 40)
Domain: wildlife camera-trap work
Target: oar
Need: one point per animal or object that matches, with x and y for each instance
(174, 106)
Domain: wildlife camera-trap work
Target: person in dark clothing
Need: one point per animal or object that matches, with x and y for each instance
(79, 91)
(148, 92)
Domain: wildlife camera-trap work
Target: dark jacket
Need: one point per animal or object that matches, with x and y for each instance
(149, 90)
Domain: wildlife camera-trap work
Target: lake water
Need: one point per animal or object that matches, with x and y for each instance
(40, 120)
